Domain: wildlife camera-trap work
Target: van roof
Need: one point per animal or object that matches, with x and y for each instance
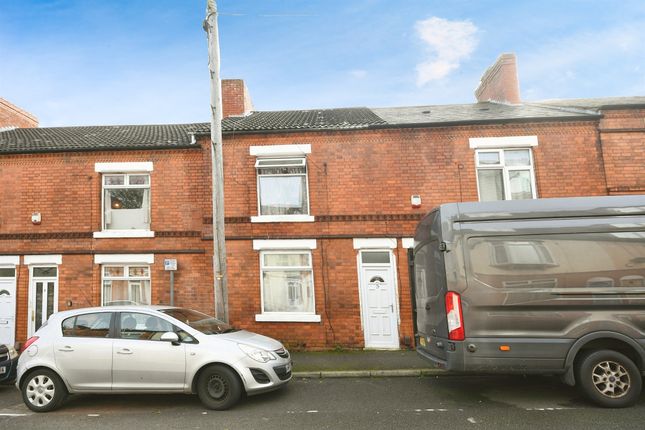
(547, 208)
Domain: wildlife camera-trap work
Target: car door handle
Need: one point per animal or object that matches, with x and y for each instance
(124, 351)
(66, 349)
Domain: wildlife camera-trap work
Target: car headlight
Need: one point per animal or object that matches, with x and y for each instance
(257, 354)
(12, 353)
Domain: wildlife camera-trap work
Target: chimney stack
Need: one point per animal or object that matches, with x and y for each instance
(11, 116)
(235, 98)
(500, 83)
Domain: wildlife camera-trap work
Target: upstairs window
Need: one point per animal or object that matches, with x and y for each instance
(126, 201)
(282, 186)
(505, 174)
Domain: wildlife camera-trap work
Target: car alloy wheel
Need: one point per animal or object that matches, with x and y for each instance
(608, 378)
(611, 379)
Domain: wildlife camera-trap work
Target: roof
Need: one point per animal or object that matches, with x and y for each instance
(169, 136)
(475, 113)
(97, 138)
(317, 119)
(597, 103)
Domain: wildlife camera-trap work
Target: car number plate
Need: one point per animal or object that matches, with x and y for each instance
(3, 370)
(422, 341)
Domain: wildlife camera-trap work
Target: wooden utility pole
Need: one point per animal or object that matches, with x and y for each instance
(217, 171)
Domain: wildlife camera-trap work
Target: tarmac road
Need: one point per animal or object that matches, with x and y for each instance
(447, 402)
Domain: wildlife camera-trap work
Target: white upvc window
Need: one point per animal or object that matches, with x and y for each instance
(286, 281)
(126, 201)
(125, 284)
(282, 183)
(505, 174)
(283, 188)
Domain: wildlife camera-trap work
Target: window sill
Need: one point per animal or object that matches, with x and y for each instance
(282, 218)
(109, 234)
(287, 317)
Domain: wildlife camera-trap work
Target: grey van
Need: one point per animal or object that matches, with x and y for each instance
(546, 286)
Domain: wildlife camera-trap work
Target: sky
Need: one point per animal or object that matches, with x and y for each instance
(90, 62)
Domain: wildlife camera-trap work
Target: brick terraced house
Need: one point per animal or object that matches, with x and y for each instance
(320, 208)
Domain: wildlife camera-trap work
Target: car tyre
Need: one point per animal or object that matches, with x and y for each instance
(43, 390)
(219, 387)
(609, 379)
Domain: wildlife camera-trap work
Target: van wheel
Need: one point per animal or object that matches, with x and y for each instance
(609, 379)
(43, 391)
(219, 387)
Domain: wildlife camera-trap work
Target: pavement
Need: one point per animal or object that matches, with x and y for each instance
(357, 364)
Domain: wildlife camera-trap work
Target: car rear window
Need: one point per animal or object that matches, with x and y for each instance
(88, 325)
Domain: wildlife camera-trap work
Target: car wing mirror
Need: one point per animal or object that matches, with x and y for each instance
(171, 337)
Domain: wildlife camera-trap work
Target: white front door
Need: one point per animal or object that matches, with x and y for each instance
(378, 299)
(43, 296)
(7, 305)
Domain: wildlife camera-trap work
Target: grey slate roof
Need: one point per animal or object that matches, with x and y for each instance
(317, 119)
(97, 138)
(595, 104)
(474, 113)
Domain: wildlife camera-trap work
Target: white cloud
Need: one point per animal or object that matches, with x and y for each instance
(358, 74)
(448, 42)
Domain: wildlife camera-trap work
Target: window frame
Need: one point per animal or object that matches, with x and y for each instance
(110, 334)
(282, 217)
(287, 315)
(126, 185)
(126, 277)
(505, 169)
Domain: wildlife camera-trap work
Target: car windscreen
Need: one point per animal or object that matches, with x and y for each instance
(199, 321)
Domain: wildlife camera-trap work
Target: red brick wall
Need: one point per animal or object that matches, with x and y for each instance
(66, 190)
(13, 116)
(360, 184)
(623, 146)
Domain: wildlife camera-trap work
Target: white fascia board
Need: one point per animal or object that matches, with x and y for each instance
(260, 244)
(124, 258)
(503, 142)
(9, 260)
(111, 234)
(144, 166)
(407, 242)
(280, 150)
(43, 259)
(287, 317)
(372, 243)
(282, 218)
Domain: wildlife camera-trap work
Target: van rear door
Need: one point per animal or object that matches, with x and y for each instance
(430, 290)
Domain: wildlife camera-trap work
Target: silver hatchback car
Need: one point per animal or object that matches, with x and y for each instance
(147, 349)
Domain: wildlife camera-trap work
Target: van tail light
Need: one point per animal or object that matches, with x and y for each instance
(28, 343)
(455, 317)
